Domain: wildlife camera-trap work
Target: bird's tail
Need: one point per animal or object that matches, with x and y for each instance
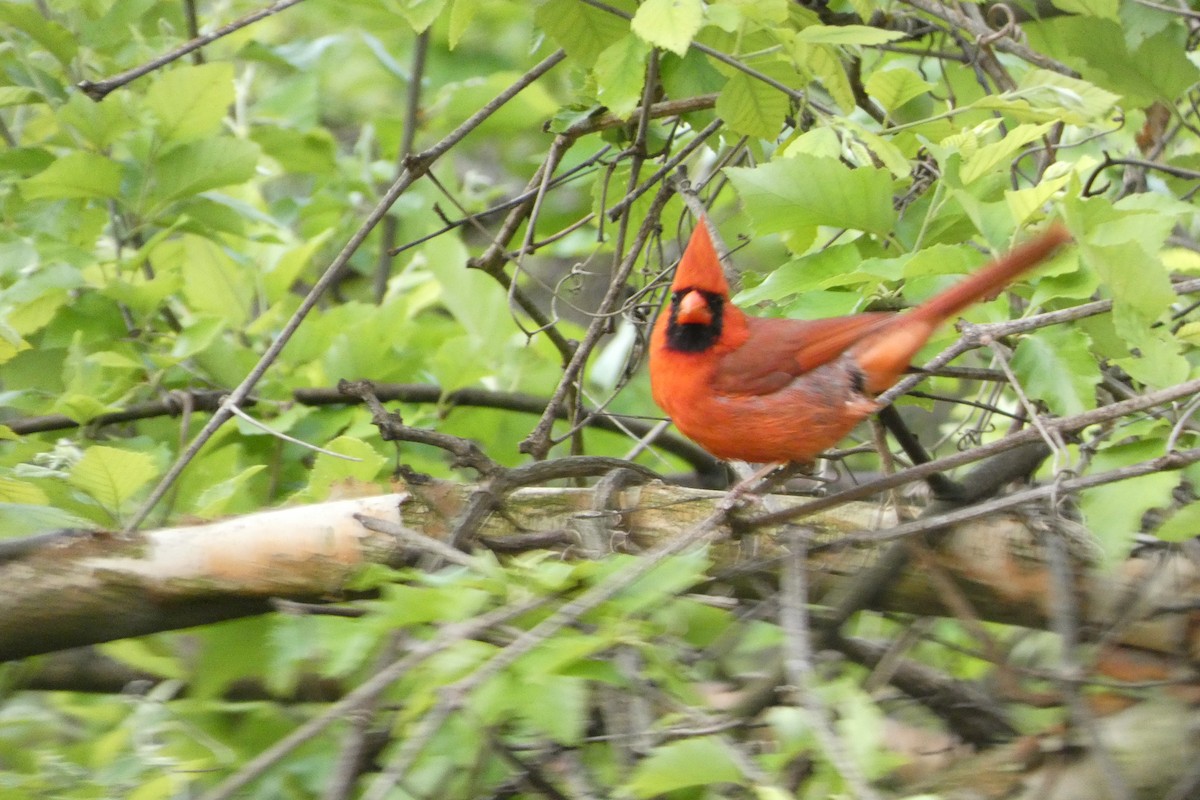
(988, 282)
(885, 355)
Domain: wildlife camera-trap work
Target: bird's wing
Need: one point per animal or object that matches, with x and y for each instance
(777, 351)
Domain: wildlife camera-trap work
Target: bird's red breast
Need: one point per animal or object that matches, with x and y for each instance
(767, 390)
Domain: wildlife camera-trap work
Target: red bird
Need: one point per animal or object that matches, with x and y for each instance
(774, 390)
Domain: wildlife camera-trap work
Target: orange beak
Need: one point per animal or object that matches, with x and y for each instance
(694, 310)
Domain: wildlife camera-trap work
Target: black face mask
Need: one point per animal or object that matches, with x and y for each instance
(695, 338)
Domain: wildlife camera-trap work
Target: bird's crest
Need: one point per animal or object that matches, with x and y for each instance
(700, 268)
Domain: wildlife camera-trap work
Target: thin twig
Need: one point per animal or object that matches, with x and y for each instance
(1064, 425)
(364, 694)
(798, 665)
(1166, 463)
(262, 426)
(537, 443)
(408, 136)
(171, 405)
(1065, 622)
(415, 167)
(454, 695)
(98, 90)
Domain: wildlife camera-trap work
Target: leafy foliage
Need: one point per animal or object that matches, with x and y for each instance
(159, 241)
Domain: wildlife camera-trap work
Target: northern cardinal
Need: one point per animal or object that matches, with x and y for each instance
(777, 390)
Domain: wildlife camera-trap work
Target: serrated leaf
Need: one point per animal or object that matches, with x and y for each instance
(582, 30)
(1056, 366)
(669, 24)
(787, 194)
(17, 491)
(991, 156)
(847, 34)
(1024, 203)
(825, 63)
(78, 174)
(878, 149)
(190, 102)
(620, 73)
(892, 88)
(212, 283)
(1155, 359)
(689, 762)
(203, 164)
(751, 107)
(111, 476)
(1076, 101)
(1189, 333)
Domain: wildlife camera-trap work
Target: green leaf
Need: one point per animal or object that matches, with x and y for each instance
(894, 87)
(329, 471)
(847, 34)
(421, 13)
(25, 519)
(825, 62)
(78, 174)
(786, 194)
(557, 705)
(214, 500)
(1074, 100)
(18, 96)
(1182, 525)
(1056, 366)
(203, 164)
(1092, 8)
(831, 267)
(1025, 203)
(582, 30)
(751, 107)
(1114, 512)
(190, 102)
(58, 41)
(689, 762)
(212, 283)
(620, 72)
(669, 24)
(993, 156)
(111, 476)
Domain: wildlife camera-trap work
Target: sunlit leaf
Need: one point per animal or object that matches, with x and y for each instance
(191, 101)
(894, 87)
(786, 194)
(1056, 366)
(582, 30)
(752, 107)
(78, 174)
(112, 476)
(669, 24)
(847, 34)
(700, 761)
